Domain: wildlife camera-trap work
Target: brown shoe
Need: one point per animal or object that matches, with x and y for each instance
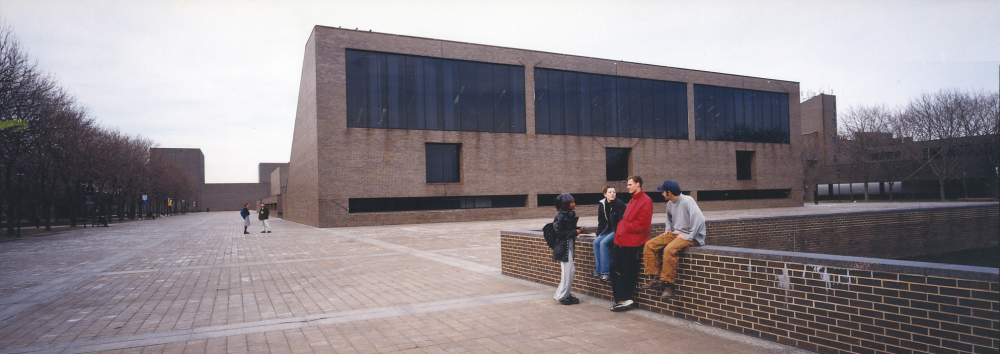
(652, 284)
(668, 292)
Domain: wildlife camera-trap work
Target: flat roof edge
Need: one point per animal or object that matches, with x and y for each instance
(552, 53)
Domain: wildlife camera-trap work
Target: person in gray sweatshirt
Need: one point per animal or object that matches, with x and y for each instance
(685, 227)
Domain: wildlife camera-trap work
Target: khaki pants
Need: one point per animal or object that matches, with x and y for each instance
(670, 244)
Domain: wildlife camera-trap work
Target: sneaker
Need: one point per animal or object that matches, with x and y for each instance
(263, 231)
(244, 232)
(268, 231)
(566, 301)
(573, 299)
(605, 277)
(621, 305)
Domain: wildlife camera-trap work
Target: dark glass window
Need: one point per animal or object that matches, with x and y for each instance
(704, 196)
(617, 163)
(398, 91)
(548, 200)
(370, 205)
(443, 163)
(744, 165)
(575, 103)
(731, 114)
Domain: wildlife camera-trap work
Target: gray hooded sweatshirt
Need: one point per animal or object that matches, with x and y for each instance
(684, 217)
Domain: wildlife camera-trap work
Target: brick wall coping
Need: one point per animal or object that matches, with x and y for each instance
(810, 211)
(826, 260)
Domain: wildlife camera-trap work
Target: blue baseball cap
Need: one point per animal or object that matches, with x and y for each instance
(670, 186)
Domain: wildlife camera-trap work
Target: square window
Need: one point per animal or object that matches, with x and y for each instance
(443, 162)
(744, 165)
(617, 163)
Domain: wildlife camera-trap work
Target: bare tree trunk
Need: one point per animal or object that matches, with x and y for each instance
(48, 217)
(941, 187)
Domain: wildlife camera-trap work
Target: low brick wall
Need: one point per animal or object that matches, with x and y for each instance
(825, 303)
(891, 234)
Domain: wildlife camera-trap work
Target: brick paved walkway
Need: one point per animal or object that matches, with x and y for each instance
(194, 283)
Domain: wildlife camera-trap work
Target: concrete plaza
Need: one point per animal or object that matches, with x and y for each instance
(194, 283)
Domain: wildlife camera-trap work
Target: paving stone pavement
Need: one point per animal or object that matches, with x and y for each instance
(195, 284)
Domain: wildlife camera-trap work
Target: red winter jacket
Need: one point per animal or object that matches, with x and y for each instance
(633, 230)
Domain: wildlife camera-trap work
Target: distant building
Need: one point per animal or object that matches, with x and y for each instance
(393, 129)
(219, 196)
(838, 167)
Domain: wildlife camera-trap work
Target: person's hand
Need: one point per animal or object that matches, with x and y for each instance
(683, 237)
(580, 231)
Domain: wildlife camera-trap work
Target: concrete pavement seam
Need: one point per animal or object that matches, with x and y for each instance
(234, 265)
(143, 340)
(27, 298)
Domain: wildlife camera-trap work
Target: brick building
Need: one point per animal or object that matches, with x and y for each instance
(394, 129)
(839, 167)
(221, 196)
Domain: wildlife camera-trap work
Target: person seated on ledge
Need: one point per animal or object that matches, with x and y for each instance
(609, 212)
(101, 220)
(685, 227)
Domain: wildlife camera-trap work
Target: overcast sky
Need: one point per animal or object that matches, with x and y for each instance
(223, 76)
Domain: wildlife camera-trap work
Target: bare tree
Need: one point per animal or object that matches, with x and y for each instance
(866, 126)
(991, 124)
(945, 125)
(27, 97)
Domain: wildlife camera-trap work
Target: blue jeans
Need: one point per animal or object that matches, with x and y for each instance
(602, 252)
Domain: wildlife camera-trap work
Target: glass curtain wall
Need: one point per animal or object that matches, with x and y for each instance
(731, 114)
(575, 103)
(395, 91)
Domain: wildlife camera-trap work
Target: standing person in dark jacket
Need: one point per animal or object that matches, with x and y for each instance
(566, 232)
(262, 216)
(609, 212)
(246, 217)
(630, 237)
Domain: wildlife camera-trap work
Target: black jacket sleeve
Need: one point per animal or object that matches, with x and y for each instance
(602, 220)
(565, 229)
(617, 213)
(565, 225)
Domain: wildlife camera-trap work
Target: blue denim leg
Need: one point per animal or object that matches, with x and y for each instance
(602, 252)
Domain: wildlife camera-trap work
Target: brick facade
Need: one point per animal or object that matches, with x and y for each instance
(824, 303)
(231, 196)
(331, 163)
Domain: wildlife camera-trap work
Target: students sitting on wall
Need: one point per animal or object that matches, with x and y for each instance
(609, 212)
(685, 227)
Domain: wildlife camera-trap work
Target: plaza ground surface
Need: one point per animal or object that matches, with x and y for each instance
(195, 283)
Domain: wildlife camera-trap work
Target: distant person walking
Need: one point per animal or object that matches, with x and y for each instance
(566, 232)
(685, 227)
(609, 212)
(262, 215)
(631, 235)
(246, 217)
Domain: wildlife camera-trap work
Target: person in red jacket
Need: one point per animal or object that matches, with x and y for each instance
(631, 236)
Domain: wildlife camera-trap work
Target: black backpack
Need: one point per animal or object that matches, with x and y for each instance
(550, 235)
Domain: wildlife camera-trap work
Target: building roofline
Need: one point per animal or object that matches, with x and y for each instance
(552, 53)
